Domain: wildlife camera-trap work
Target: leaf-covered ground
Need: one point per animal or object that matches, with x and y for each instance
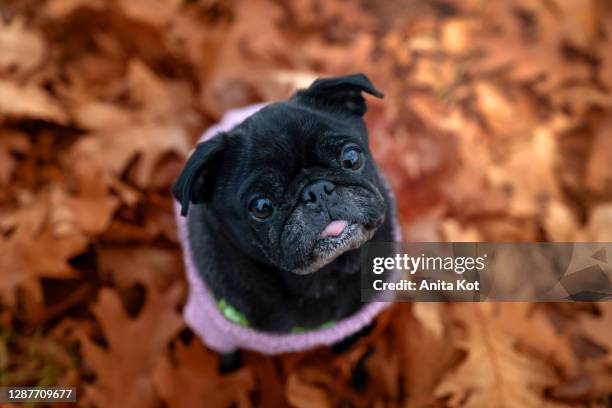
(496, 126)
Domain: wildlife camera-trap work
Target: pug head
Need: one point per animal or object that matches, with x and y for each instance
(294, 186)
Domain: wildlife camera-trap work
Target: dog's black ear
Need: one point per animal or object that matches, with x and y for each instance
(195, 182)
(340, 93)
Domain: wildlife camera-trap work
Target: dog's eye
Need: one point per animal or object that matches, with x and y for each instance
(351, 158)
(261, 207)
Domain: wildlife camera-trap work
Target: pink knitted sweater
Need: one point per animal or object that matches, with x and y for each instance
(202, 313)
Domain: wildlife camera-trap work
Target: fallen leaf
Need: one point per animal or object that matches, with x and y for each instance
(61, 8)
(156, 13)
(152, 267)
(599, 328)
(157, 99)
(524, 38)
(579, 21)
(36, 247)
(124, 368)
(29, 101)
(599, 227)
(304, 395)
(116, 148)
(94, 206)
(530, 186)
(194, 379)
(11, 142)
(426, 354)
(21, 48)
(494, 373)
(598, 172)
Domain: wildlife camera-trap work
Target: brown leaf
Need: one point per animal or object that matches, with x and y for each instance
(58, 9)
(302, 394)
(38, 244)
(21, 48)
(117, 147)
(97, 115)
(153, 267)
(501, 107)
(311, 13)
(580, 21)
(156, 13)
(599, 227)
(124, 367)
(525, 39)
(530, 327)
(94, 206)
(605, 71)
(194, 379)
(599, 328)
(156, 98)
(529, 173)
(11, 142)
(599, 172)
(426, 354)
(29, 101)
(494, 373)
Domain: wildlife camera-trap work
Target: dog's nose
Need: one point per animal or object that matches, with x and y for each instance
(317, 191)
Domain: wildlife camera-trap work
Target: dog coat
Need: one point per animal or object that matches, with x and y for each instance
(223, 328)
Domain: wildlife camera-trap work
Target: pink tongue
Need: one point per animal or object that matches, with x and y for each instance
(334, 229)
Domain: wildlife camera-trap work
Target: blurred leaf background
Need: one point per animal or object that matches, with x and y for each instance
(496, 126)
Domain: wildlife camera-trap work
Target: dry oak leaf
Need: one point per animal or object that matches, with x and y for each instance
(11, 142)
(524, 37)
(157, 98)
(605, 71)
(530, 327)
(529, 172)
(329, 14)
(156, 13)
(455, 35)
(30, 102)
(599, 172)
(454, 231)
(149, 99)
(116, 148)
(57, 9)
(580, 21)
(35, 249)
(385, 374)
(494, 374)
(599, 227)
(131, 265)
(426, 354)
(302, 394)
(124, 368)
(94, 206)
(243, 53)
(189, 36)
(98, 115)
(21, 48)
(436, 74)
(193, 380)
(340, 58)
(599, 328)
(501, 107)
(560, 223)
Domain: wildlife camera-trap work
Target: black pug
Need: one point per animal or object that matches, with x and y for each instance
(281, 204)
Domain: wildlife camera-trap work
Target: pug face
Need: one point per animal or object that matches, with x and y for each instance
(294, 186)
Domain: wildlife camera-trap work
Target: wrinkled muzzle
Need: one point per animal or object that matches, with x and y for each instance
(329, 220)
